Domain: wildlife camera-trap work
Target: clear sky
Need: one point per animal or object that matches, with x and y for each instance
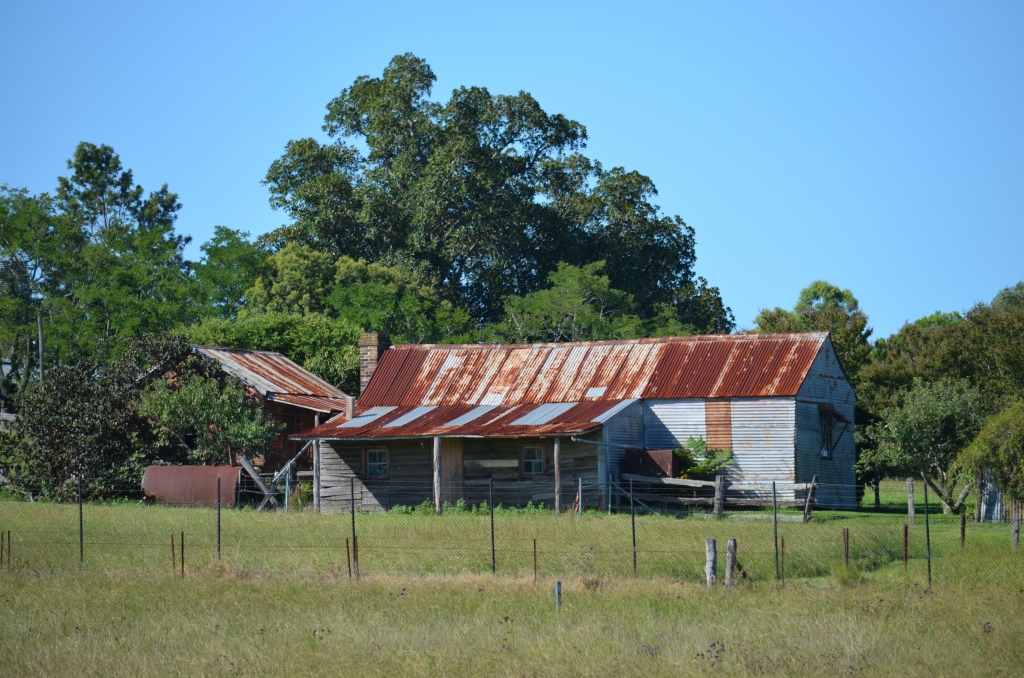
(875, 145)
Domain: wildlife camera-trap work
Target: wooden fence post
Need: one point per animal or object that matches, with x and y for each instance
(711, 561)
(558, 476)
(730, 563)
(808, 498)
(437, 476)
(719, 495)
(910, 501)
(846, 546)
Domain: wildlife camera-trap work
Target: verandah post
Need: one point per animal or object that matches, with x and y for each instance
(558, 476)
(437, 475)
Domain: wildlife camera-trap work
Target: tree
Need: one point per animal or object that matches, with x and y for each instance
(1009, 296)
(393, 301)
(84, 421)
(229, 268)
(999, 450)
(824, 307)
(481, 196)
(297, 279)
(325, 346)
(580, 305)
(213, 422)
(926, 434)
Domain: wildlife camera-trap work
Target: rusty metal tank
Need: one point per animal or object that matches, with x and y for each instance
(192, 485)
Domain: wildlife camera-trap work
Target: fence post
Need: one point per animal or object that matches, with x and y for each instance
(355, 544)
(963, 529)
(910, 501)
(730, 563)
(927, 534)
(783, 540)
(579, 497)
(775, 528)
(535, 560)
(1015, 530)
(906, 540)
(490, 502)
(808, 498)
(348, 559)
(287, 488)
(632, 523)
(846, 546)
(81, 526)
(558, 476)
(182, 554)
(218, 519)
(719, 495)
(558, 596)
(174, 556)
(710, 562)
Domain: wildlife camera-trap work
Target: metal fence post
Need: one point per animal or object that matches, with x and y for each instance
(218, 518)
(775, 528)
(81, 526)
(490, 503)
(355, 544)
(927, 533)
(632, 522)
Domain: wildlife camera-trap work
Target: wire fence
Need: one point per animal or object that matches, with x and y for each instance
(603, 531)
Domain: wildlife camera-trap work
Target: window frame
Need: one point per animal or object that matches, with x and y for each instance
(366, 463)
(826, 427)
(543, 460)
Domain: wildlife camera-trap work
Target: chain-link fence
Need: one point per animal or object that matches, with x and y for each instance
(636, 531)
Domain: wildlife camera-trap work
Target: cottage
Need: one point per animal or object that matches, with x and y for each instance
(440, 421)
(294, 397)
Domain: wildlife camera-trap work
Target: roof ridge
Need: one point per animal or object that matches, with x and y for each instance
(620, 342)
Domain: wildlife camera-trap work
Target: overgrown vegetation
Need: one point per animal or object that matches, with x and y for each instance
(700, 463)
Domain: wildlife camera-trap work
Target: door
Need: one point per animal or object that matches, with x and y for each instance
(451, 469)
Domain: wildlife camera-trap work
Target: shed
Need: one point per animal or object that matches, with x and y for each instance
(525, 415)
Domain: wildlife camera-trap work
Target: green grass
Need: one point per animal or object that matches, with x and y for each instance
(219, 621)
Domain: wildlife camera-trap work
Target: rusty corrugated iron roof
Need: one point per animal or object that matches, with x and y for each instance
(268, 373)
(716, 366)
(316, 403)
(469, 421)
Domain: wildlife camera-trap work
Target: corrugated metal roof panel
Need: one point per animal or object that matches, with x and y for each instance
(268, 372)
(315, 403)
(561, 419)
(717, 366)
(368, 417)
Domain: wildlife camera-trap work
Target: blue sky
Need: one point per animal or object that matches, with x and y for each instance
(875, 145)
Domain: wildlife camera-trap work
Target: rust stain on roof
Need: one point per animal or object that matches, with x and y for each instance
(268, 373)
(717, 366)
(316, 403)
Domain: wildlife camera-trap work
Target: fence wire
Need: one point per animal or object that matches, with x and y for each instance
(602, 531)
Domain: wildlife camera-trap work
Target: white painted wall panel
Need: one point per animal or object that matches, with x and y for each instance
(763, 441)
(668, 424)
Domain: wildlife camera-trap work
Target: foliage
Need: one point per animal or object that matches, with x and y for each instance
(700, 463)
(1009, 297)
(228, 269)
(983, 347)
(824, 307)
(926, 433)
(482, 195)
(296, 279)
(326, 347)
(999, 450)
(214, 422)
(392, 300)
(85, 421)
(580, 305)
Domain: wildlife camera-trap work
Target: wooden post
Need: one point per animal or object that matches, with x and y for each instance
(579, 496)
(348, 558)
(906, 544)
(730, 563)
(182, 554)
(632, 522)
(558, 476)
(316, 467)
(927, 534)
(710, 562)
(355, 544)
(808, 498)
(490, 502)
(174, 556)
(535, 561)
(719, 495)
(910, 501)
(963, 530)
(437, 475)
(846, 546)
(1015, 528)
(558, 596)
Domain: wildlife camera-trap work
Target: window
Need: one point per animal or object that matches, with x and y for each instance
(828, 423)
(376, 463)
(533, 460)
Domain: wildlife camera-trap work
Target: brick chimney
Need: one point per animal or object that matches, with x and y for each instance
(371, 348)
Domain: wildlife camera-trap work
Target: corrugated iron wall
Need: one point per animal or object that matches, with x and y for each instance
(763, 439)
(668, 424)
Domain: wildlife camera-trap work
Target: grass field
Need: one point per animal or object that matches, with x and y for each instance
(280, 600)
(218, 622)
